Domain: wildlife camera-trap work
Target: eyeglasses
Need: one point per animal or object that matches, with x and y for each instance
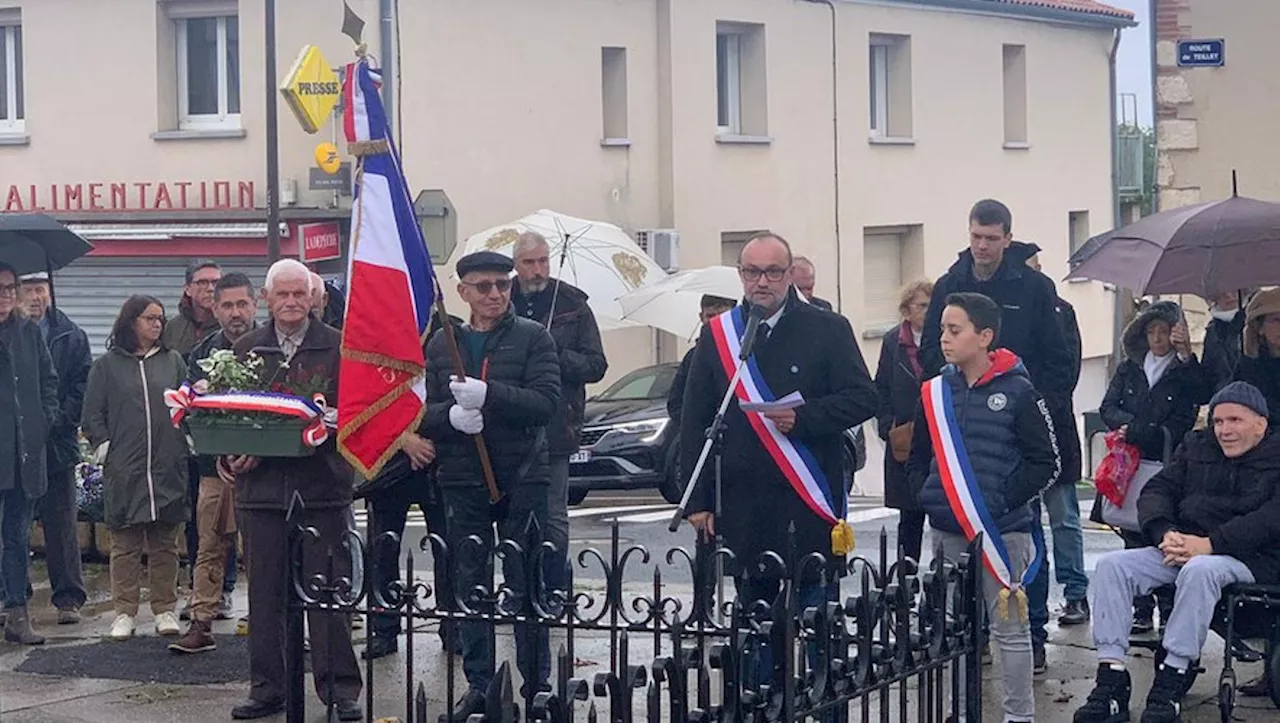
(10, 289)
(152, 318)
(484, 287)
(773, 273)
(205, 283)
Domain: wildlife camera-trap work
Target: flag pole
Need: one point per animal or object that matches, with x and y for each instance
(460, 370)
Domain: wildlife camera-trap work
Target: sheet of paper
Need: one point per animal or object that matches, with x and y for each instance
(791, 401)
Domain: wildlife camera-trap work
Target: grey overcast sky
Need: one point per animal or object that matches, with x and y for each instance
(1133, 64)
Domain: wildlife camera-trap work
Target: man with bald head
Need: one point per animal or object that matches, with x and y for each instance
(562, 310)
(781, 468)
(804, 276)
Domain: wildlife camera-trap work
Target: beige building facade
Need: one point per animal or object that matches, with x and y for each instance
(1213, 120)
(715, 118)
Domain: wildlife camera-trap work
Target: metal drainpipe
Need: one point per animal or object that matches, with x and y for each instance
(1119, 313)
(386, 60)
(835, 150)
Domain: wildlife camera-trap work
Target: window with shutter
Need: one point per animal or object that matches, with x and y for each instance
(881, 278)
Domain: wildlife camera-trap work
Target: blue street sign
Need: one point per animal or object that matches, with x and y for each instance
(1202, 53)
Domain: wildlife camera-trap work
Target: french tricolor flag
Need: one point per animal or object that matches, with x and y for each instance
(382, 390)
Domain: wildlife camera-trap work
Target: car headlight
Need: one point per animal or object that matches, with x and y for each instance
(647, 430)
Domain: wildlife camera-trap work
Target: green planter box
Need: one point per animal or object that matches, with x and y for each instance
(218, 435)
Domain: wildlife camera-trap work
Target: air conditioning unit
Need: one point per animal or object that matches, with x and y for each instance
(662, 245)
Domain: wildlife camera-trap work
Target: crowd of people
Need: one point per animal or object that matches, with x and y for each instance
(972, 396)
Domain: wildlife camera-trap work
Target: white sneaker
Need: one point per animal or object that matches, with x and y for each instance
(122, 628)
(167, 624)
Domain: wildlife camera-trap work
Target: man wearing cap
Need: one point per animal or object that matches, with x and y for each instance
(69, 348)
(29, 386)
(510, 392)
(1211, 516)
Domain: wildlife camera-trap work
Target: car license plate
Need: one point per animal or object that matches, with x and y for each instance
(582, 456)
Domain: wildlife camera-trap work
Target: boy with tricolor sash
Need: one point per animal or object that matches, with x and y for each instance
(984, 447)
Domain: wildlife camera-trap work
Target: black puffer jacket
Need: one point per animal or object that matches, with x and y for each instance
(1029, 325)
(1233, 502)
(29, 388)
(581, 353)
(1008, 434)
(523, 377)
(1170, 405)
(69, 348)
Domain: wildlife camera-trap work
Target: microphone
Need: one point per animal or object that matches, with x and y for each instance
(753, 326)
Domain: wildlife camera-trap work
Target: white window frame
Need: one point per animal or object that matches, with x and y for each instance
(733, 79)
(879, 87)
(11, 123)
(223, 119)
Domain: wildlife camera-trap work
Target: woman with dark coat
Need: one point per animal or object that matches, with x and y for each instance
(1260, 364)
(898, 378)
(1153, 398)
(144, 462)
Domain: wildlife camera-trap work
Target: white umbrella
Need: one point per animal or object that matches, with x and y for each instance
(597, 257)
(673, 303)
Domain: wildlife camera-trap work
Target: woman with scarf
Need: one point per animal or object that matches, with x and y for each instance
(1260, 365)
(1153, 400)
(898, 378)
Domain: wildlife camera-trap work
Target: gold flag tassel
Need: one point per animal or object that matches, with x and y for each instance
(1019, 595)
(842, 542)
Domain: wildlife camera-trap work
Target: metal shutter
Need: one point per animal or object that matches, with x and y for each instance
(92, 289)
(881, 278)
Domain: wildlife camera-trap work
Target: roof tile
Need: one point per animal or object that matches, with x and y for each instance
(1092, 7)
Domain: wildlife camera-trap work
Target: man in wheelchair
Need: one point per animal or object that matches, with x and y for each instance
(1213, 518)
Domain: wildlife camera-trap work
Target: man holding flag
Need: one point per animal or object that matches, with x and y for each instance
(781, 468)
(510, 392)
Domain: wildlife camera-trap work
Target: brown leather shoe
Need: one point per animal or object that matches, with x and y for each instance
(199, 639)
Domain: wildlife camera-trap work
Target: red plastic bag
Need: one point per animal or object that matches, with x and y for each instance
(1117, 469)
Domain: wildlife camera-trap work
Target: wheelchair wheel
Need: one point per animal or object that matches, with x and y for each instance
(1273, 676)
(1227, 695)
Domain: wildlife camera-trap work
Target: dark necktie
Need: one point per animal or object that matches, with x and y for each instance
(762, 334)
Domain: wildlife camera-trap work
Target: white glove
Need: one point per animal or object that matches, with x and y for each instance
(468, 393)
(100, 454)
(467, 421)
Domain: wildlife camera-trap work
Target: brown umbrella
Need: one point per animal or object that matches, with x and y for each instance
(1205, 249)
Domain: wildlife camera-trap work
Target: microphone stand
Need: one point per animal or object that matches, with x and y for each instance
(715, 439)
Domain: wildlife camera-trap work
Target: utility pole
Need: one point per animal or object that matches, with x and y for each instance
(273, 139)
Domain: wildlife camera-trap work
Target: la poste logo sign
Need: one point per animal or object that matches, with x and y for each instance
(320, 241)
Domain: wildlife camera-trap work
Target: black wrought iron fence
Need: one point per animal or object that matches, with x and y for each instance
(900, 644)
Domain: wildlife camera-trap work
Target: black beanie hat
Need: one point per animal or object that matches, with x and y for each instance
(1242, 393)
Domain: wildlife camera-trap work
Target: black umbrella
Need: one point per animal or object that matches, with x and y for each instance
(1204, 250)
(33, 242)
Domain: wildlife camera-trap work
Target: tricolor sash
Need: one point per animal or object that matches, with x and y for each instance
(795, 459)
(960, 484)
(192, 396)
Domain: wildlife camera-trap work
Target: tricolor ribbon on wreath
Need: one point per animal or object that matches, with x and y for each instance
(960, 484)
(191, 396)
(793, 457)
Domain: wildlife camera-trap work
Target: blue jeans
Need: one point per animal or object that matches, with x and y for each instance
(15, 547)
(1068, 555)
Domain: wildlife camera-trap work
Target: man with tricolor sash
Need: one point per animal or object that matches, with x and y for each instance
(984, 447)
(783, 468)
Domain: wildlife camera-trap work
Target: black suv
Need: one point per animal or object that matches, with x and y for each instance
(628, 441)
